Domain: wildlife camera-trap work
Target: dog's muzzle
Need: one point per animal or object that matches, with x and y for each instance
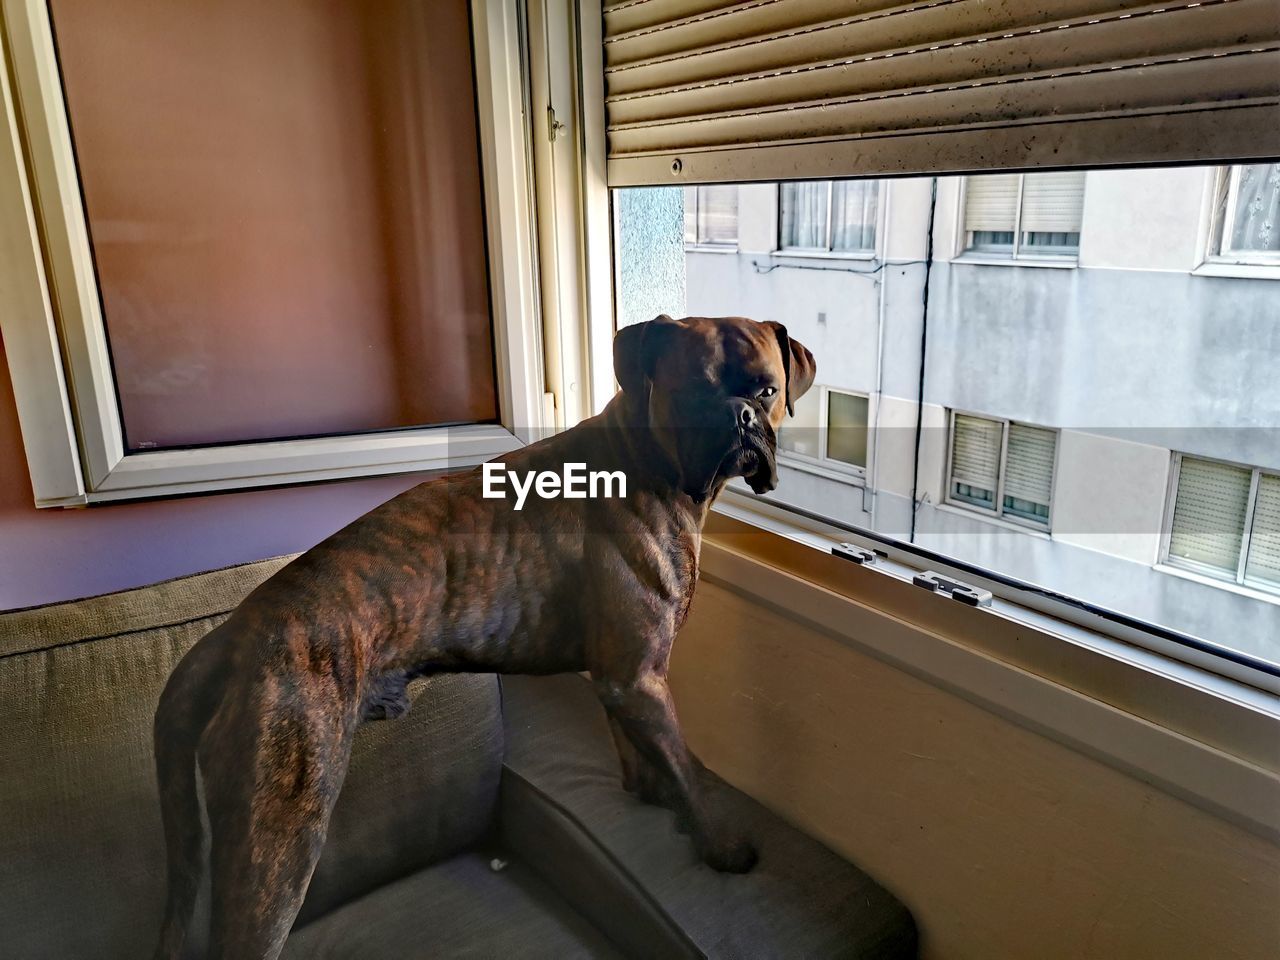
(757, 457)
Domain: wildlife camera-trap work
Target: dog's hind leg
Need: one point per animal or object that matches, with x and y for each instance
(273, 766)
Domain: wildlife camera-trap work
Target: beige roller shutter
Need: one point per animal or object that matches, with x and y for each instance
(991, 203)
(779, 89)
(1053, 202)
(1209, 514)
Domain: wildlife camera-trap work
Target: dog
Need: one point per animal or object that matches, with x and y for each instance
(443, 579)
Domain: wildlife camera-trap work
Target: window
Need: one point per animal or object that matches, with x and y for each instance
(253, 308)
(829, 429)
(1051, 398)
(1226, 522)
(828, 216)
(1247, 214)
(1028, 216)
(711, 215)
(996, 462)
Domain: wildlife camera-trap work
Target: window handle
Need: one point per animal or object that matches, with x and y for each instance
(965, 593)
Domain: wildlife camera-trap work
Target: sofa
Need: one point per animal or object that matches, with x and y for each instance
(489, 822)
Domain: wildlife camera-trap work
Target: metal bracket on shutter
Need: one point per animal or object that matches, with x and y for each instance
(937, 583)
(854, 554)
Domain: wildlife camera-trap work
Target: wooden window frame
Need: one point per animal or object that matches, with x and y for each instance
(50, 313)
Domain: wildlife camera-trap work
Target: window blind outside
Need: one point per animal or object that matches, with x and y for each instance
(991, 202)
(975, 458)
(1052, 202)
(718, 214)
(780, 89)
(1209, 514)
(1028, 469)
(1264, 542)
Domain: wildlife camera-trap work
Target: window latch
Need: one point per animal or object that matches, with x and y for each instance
(965, 593)
(854, 554)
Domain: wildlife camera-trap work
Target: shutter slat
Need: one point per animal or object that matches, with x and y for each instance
(1264, 543)
(1028, 470)
(1053, 202)
(733, 90)
(783, 34)
(975, 455)
(745, 77)
(1209, 514)
(991, 202)
(1199, 84)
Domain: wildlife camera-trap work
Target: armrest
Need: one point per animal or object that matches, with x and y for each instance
(623, 864)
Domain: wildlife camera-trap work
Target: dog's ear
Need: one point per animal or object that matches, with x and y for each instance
(636, 350)
(798, 363)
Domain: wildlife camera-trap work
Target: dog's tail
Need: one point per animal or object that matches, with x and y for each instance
(189, 699)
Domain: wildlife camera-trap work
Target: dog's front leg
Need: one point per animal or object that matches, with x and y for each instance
(643, 710)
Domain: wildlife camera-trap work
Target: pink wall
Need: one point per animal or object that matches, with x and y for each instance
(50, 555)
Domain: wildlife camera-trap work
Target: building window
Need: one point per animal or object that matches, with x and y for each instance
(1024, 216)
(1225, 522)
(1002, 468)
(711, 215)
(829, 429)
(1247, 214)
(829, 216)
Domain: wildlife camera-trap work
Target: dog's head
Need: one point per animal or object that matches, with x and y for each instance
(715, 390)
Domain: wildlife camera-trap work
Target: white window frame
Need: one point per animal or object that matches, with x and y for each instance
(697, 244)
(1202, 571)
(826, 253)
(823, 465)
(998, 512)
(964, 241)
(59, 360)
(1218, 260)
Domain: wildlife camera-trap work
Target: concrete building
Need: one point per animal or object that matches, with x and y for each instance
(1100, 379)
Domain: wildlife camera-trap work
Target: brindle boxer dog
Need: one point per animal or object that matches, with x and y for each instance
(441, 579)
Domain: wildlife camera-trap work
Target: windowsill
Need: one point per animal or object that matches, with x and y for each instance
(800, 253)
(1207, 738)
(1249, 271)
(1231, 586)
(990, 260)
(994, 519)
(711, 248)
(852, 476)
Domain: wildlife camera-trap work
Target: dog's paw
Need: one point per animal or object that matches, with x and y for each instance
(388, 698)
(732, 856)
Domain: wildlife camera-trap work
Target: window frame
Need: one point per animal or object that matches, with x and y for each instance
(62, 375)
(998, 511)
(827, 253)
(1203, 571)
(966, 253)
(823, 465)
(1221, 227)
(698, 245)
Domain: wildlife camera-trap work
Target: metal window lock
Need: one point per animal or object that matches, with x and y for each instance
(937, 583)
(854, 554)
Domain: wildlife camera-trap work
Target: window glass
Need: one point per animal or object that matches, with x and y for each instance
(804, 215)
(711, 214)
(284, 201)
(847, 428)
(1264, 536)
(1109, 432)
(1254, 209)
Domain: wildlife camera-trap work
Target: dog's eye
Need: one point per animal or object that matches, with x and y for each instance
(767, 392)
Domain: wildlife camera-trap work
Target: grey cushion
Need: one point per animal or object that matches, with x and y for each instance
(81, 848)
(801, 900)
(457, 909)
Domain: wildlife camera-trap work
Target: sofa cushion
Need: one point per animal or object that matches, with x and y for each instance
(81, 847)
(456, 909)
(801, 900)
